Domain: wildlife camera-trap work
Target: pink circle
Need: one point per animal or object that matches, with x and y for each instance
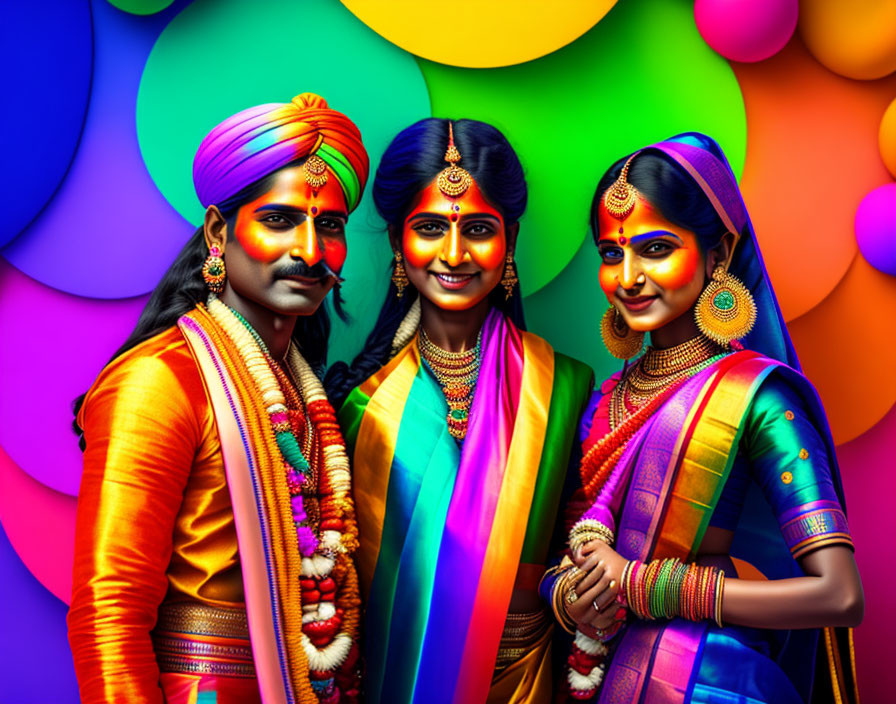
(54, 346)
(746, 30)
(869, 483)
(40, 525)
(876, 228)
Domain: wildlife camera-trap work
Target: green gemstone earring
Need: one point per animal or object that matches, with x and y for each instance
(725, 310)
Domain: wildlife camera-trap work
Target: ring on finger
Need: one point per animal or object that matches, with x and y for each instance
(594, 604)
(571, 596)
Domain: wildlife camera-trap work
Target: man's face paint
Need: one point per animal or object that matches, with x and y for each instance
(289, 244)
(296, 219)
(454, 248)
(651, 269)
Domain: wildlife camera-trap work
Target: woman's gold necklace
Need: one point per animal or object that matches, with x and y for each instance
(657, 370)
(456, 372)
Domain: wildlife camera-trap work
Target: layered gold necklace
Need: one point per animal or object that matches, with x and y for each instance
(456, 372)
(657, 370)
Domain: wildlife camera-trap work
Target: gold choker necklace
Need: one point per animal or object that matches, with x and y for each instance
(657, 370)
(456, 372)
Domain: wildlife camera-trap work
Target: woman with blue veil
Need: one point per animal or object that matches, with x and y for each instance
(709, 553)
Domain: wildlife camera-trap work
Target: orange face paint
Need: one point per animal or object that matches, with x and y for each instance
(646, 255)
(292, 217)
(456, 240)
(463, 236)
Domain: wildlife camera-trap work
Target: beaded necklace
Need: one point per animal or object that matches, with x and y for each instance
(658, 370)
(456, 372)
(325, 539)
(628, 413)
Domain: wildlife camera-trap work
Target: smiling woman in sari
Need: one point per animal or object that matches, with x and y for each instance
(710, 541)
(461, 425)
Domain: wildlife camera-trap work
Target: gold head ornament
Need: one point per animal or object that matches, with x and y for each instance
(619, 199)
(453, 180)
(315, 171)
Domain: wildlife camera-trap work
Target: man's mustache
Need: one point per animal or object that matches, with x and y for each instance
(321, 270)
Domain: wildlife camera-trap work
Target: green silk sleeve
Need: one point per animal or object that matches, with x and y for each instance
(789, 459)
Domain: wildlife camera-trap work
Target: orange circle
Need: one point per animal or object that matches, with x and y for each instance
(787, 477)
(847, 348)
(886, 138)
(856, 39)
(811, 158)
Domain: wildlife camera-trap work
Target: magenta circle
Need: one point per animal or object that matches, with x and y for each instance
(875, 227)
(746, 30)
(55, 345)
(40, 525)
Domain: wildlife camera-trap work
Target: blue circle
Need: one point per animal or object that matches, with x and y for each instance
(46, 50)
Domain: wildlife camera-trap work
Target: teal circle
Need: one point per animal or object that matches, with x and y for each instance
(642, 74)
(141, 7)
(723, 300)
(218, 57)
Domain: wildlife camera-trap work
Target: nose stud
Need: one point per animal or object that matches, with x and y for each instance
(641, 279)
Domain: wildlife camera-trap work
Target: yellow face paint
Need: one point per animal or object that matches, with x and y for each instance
(454, 248)
(651, 269)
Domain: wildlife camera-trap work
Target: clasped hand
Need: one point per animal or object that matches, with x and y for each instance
(596, 608)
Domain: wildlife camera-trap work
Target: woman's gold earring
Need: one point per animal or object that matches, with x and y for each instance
(620, 340)
(509, 280)
(399, 277)
(725, 310)
(213, 270)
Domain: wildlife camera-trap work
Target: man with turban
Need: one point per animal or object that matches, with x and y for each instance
(215, 522)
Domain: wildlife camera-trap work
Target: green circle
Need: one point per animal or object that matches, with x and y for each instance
(567, 313)
(640, 75)
(141, 7)
(723, 300)
(218, 57)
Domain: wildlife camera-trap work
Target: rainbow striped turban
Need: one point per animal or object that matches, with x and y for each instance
(256, 142)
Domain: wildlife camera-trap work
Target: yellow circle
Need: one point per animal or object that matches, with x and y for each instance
(787, 477)
(886, 139)
(804, 454)
(475, 34)
(788, 415)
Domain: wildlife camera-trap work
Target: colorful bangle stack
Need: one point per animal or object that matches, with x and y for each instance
(669, 588)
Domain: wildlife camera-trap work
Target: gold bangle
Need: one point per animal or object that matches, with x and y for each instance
(720, 587)
(560, 613)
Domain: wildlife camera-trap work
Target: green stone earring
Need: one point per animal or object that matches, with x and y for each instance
(725, 310)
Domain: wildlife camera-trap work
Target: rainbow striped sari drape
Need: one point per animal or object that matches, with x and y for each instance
(444, 529)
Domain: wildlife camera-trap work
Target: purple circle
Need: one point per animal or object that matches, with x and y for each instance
(746, 30)
(44, 101)
(55, 345)
(108, 232)
(37, 662)
(875, 227)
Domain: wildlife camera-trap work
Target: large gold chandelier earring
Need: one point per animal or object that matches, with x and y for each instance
(509, 280)
(399, 277)
(725, 310)
(620, 340)
(213, 270)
